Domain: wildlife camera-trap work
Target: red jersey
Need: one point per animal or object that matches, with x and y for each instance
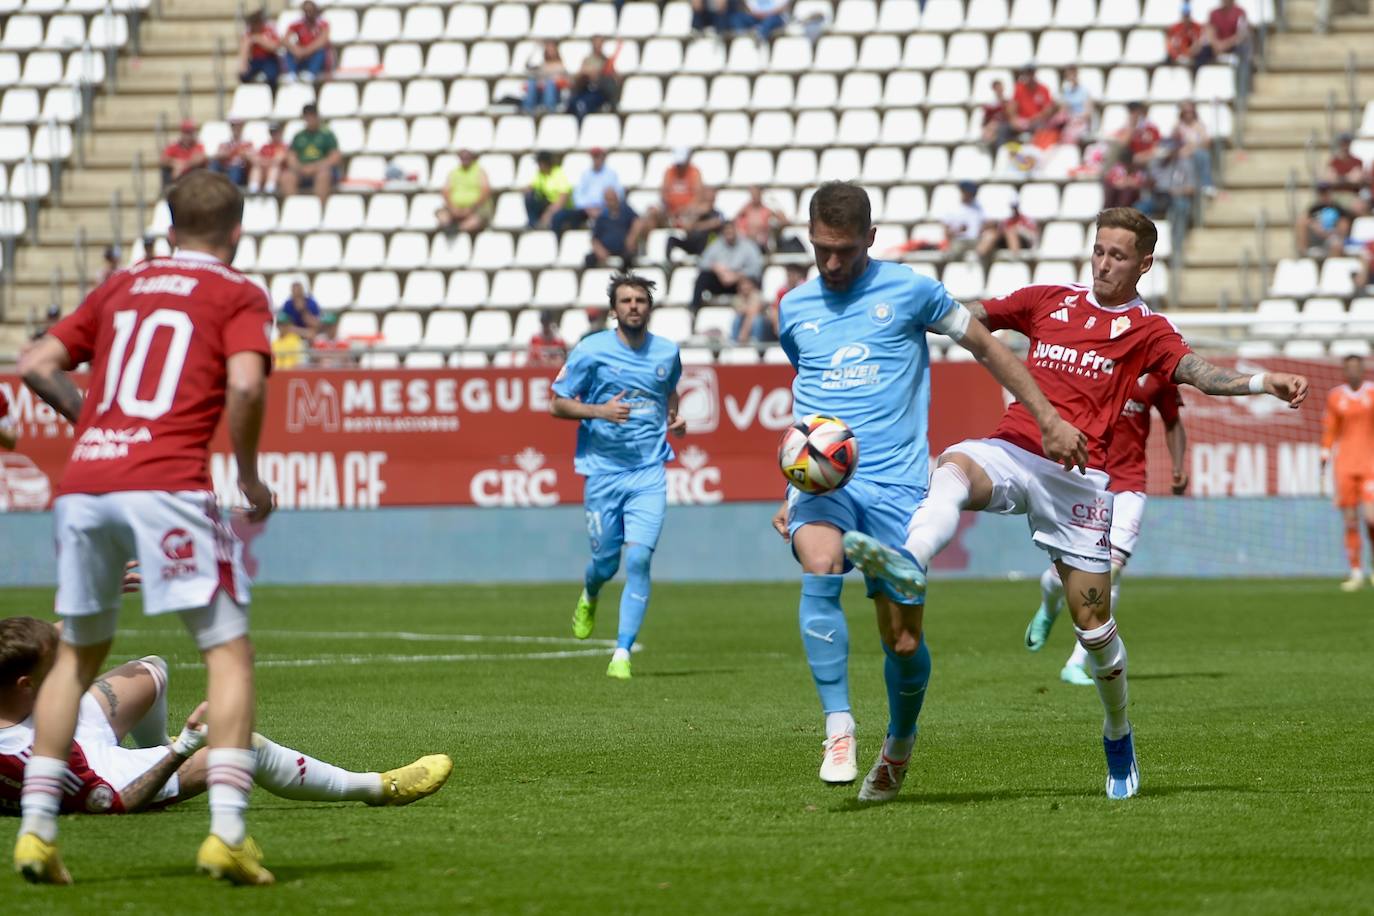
(1085, 358)
(4, 407)
(1180, 38)
(270, 150)
(305, 32)
(157, 336)
(257, 51)
(1225, 23)
(1126, 457)
(1031, 100)
(178, 151)
(84, 791)
(234, 152)
(1144, 136)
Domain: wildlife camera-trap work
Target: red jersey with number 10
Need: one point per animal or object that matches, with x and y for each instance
(1085, 357)
(157, 336)
(1126, 457)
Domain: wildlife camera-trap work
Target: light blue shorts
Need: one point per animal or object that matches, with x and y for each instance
(880, 510)
(625, 508)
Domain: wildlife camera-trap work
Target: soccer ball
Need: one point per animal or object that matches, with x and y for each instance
(819, 454)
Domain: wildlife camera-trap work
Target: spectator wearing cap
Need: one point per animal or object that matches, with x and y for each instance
(260, 51)
(183, 154)
(232, 157)
(308, 52)
(1032, 106)
(549, 193)
(590, 194)
(1181, 38)
(679, 190)
(1017, 233)
(547, 347)
(1325, 228)
(268, 162)
(611, 231)
(702, 221)
(313, 161)
(964, 224)
(1196, 145)
(468, 201)
(729, 265)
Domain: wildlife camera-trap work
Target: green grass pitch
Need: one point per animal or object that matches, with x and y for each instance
(693, 789)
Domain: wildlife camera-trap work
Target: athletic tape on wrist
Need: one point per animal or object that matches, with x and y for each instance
(1257, 382)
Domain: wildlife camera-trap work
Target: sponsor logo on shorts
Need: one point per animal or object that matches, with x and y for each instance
(180, 550)
(1096, 515)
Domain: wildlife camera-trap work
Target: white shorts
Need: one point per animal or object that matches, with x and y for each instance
(117, 765)
(185, 553)
(1070, 514)
(1127, 511)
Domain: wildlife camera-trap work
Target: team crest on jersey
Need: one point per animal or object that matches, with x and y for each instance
(1120, 326)
(1071, 301)
(661, 372)
(880, 313)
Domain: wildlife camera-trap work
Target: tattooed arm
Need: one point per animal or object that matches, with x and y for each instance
(1209, 379)
(137, 794)
(44, 365)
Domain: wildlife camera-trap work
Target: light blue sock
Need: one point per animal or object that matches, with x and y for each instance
(634, 600)
(600, 571)
(825, 637)
(906, 677)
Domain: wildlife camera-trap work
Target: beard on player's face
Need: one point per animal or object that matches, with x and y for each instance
(632, 315)
(841, 254)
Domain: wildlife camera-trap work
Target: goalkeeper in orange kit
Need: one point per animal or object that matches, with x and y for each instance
(1348, 430)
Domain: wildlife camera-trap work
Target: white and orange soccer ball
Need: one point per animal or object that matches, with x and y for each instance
(819, 454)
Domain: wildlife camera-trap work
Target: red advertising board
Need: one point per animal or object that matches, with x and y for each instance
(361, 439)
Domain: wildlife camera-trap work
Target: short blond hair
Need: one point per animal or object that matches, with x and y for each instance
(1133, 221)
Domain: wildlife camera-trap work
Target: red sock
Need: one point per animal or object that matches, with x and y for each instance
(1352, 545)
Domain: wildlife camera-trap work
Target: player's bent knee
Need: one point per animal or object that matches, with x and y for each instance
(638, 558)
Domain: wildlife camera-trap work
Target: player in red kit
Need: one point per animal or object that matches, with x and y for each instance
(1088, 346)
(1126, 468)
(172, 343)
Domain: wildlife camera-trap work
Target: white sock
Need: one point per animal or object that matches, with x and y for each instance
(41, 797)
(1052, 591)
(151, 730)
(291, 774)
(229, 774)
(839, 723)
(898, 749)
(620, 655)
(1107, 662)
(936, 521)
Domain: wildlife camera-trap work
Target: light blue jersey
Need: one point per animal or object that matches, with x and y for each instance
(861, 356)
(599, 368)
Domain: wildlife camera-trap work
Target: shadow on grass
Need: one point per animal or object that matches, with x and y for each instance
(688, 672)
(1065, 794)
(1178, 675)
(283, 873)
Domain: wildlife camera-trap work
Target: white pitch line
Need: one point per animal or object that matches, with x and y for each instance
(324, 660)
(415, 637)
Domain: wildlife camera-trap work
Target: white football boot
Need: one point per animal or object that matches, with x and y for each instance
(840, 761)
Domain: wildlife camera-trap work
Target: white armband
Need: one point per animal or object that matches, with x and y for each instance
(955, 323)
(1257, 382)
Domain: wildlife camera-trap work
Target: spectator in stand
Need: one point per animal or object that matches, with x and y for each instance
(1227, 32)
(1197, 145)
(313, 161)
(701, 221)
(757, 221)
(544, 86)
(51, 317)
(1182, 37)
(1032, 106)
(308, 53)
(711, 14)
(611, 231)
(732, 265)
(599, 66)
(1122, 183)
(585, 97)
(1345, 173)
(548, 199)
(964, 224)
(468, 201)
(997, 118)
(300, 313)
(1140, 137)
(232, 157)
(109, 262)
(288, 347)
(680, 189)
(762, 327)
(1170, 189)
(1076, 107)
(590, 195)
(547, 347)
(761, 17)
(1017, 233)
(1325, 228)
(183, 155)
(268, 162)
(260, 51)
(1366, 271)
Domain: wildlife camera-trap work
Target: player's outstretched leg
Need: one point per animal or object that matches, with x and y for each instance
(825, 638)
(906, 676)
(893, 565)
(1051, 603)
(600, 570)
(634, 602)
(288, 773)
(936, 520)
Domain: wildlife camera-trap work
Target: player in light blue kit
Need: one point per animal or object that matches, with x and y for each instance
(857, 337)
(621, 385)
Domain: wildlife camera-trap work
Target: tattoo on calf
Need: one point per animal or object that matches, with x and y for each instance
(1093, 597)
(109, 693)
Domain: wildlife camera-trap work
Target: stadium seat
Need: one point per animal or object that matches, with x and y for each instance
(1033, 15)
(67, 31)
(1126, 84)
(1100, 48)
(964, 279)
(702, 56)
(836, 54)
(815, 129)
(1144, 48)
(1304, 349)
(402, 329)
(986, 15)
(1171, 84)
(466, 289)
(1075, 14)
(746, 57)
(1296, 277)
(1349, 347)
(898, 17)
(942, 17)
(279, 252)
(1323, 317)
(1081, 201)
(300, 213)
(923, 52)
(1275, 308)
(1011, 50)
(715, 321)
(1057, 273)
(685, 93)
(672, 323)
(967, 51)
(1338, 277)
(357, 326)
